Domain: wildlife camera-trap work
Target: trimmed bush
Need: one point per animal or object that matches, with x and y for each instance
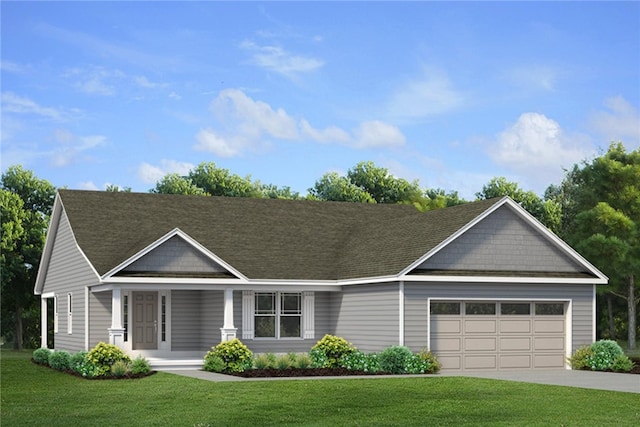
(394, 359)
(103, 355)
(213, 363)
(140, 366)
(318, 358)
(359, 361)
(579, 359)
(119, 368)
(333, 348)
(603, 353)
(60, 360)
(432, 361)
(622, 364)
(41, 356)
(77, 360)
(234, 354)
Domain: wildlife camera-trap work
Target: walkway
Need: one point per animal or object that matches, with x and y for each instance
(584, 379)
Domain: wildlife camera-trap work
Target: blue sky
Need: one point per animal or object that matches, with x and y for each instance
(451, 94)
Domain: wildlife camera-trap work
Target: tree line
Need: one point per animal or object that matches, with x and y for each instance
(596, 209)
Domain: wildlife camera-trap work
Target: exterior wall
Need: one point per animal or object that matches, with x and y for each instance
(196, 319)
(100, 315)
(175, 255)
(416, 295)
(502, 241)
(69, 272)
(368, 316)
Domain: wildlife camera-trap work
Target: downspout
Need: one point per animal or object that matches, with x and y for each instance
(401, 312)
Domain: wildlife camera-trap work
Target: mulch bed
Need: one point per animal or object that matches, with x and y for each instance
(128, 376)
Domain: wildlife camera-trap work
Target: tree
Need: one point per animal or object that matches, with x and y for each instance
(547, 211)
(437, 199)
(20, 308)
(117, 189)
(176, 184)
(338, 188)
(602, 221)
(216, 181)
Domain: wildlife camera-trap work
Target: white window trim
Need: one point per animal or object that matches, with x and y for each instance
(307, 321)
(69, 313)
(55, 314)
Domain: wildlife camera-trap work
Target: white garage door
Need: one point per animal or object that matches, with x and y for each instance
(498, 335)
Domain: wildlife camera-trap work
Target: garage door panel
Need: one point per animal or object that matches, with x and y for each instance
(515, 326)
(515, 361)
(444, 344)
(548, 361)
(549, 326)
(515, 343)
(480, 344)
(450, 362)
(548, 343)
(447, 326)
(488, 361)
(479, 326)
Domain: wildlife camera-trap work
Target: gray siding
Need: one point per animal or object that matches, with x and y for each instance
(69, 272)
(416, 294)
(100, 315)
(196, 319)
(502, 241)
(368, 316)
(175, 255)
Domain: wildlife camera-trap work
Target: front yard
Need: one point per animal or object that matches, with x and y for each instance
(36, 395)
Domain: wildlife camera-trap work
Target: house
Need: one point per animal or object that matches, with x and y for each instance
(484, 285)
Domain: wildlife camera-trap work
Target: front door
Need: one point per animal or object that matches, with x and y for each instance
(145, 320)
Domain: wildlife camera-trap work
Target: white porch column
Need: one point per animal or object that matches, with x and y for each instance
(228, 331)
(116, 331)
(43, 322)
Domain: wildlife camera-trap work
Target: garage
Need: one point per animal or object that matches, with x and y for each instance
(498, 335)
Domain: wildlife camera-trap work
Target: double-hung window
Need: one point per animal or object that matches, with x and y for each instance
(69, 314)
(278, 315)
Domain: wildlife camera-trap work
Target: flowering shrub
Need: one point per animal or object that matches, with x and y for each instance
(578, 360)
(103, 355)
(60, 360)
(394, 359)
(41, 355)
(333, 348)
(236, 356)
(77, 360)
(359, 361)
(318, 358)
(433, 365)
(603, 353)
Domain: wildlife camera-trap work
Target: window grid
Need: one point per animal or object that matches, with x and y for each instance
(278, 315)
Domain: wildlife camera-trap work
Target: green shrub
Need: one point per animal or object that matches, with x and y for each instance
(262, 361)
(293, 357)
(318, 358)
(622, 364)
(103, 355)
(140, 366)
(283, 362)
(236, 356)
(603, 353)
(41, 356)
(60, 360)
(578, 360)
(394, 359)
(303, 361)
(77, 360)
(333, 349)
(432, 361)
(359, 361)
(214, 363)
(415, 364)
(119, 368)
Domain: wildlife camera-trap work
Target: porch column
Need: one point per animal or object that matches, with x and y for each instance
(228, 331)
(43, 322)
(116, 331)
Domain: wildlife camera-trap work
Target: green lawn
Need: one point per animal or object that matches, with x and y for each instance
(35, 395)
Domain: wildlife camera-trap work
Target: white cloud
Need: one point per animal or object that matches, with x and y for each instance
(621, 122)
(70, 148)
(431, 94)
(538, 149)
(375, 134)
(246, 124)
(534, 77)
(12, 103)
(88, 185)
(175, 96)
(275, 58)
(151, 174)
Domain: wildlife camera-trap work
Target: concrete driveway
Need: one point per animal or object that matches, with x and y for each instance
(585, 379)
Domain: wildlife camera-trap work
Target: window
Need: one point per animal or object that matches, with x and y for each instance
(55, 315)
(69, 314)
(445, 308)
(163, 318)
(125, 315)
(507, 308)
(278, 315)
(549, 309)
(480, 308)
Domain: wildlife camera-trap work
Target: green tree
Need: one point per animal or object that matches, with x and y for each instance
(602, 221)
(437, 199)
(217, 181)
(117, 189)
(176, 184)
(20, 307)
(548, 212)
(338, 188)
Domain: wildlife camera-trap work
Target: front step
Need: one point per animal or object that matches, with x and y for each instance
(175, 364)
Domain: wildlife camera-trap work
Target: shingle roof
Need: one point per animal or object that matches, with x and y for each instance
(265, 238)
